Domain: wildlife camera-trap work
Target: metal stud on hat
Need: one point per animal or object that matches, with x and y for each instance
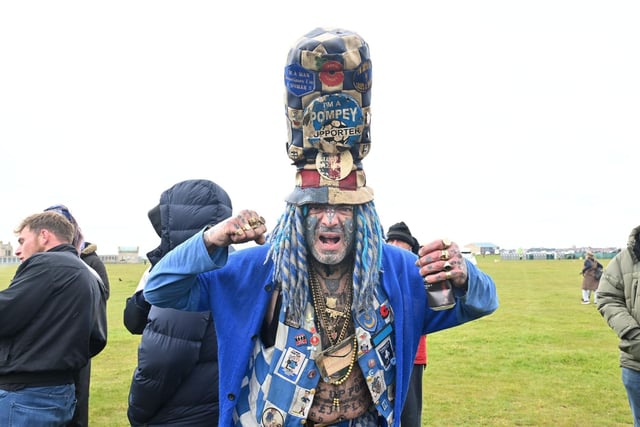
(328, 96)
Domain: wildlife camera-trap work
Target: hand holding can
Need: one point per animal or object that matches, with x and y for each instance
(440, 295)
(442, 267)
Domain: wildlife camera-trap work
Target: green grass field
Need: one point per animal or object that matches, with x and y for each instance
(542, 359)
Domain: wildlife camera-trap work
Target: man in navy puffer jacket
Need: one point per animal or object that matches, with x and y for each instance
(176, 380)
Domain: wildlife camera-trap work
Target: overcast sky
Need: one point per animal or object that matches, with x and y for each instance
(510, 122)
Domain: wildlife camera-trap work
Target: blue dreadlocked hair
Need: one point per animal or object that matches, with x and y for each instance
(289, 254)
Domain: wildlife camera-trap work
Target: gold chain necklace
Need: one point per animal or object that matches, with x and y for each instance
(322, 311)
(336, 400)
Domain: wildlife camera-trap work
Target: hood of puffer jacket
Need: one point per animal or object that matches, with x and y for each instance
(633, 244)
(185, 209)
(89, 248)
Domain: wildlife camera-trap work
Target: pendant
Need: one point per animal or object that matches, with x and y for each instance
(331, 302)
(334, 314)
(335, 362)
(336, 403)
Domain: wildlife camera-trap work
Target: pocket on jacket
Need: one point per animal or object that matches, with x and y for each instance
(631, 347)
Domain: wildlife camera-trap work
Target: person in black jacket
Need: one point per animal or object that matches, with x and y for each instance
(47, 324)
(176, 380)
(88, 254)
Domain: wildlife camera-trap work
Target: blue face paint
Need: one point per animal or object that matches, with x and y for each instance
(329, 232)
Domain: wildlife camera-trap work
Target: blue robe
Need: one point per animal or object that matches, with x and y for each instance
(190, 278)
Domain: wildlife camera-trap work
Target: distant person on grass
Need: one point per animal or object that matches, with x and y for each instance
(176, 380)
(88, 254)
(48, 325)
(590, 278)
(619, 304)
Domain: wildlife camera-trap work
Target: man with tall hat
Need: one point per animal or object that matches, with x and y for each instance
(319, 325)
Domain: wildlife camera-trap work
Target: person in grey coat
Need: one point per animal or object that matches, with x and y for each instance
(619, 305)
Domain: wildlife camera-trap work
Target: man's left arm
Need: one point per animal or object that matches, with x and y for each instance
(480, 298)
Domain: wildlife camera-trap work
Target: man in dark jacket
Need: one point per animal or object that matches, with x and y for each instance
(176, 380)
(47, 324)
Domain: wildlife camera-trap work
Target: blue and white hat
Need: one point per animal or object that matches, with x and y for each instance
(328, 97)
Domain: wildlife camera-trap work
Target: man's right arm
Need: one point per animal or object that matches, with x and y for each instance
(612, 301)
(173, 280)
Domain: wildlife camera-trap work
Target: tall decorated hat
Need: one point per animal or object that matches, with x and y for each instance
(328, 98)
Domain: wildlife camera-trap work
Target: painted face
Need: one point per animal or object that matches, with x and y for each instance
(29, 243)
(329, 230)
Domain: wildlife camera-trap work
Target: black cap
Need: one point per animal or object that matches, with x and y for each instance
(400, 231)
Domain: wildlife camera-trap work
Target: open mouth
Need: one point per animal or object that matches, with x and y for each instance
(329, 239)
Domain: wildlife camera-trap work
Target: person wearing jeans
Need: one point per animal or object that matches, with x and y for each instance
(619, 306)
(48, 327)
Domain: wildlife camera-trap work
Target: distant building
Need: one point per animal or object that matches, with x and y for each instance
(483, 248)
(555, 253)
(128, 254)
(7, 255)
(6, 249)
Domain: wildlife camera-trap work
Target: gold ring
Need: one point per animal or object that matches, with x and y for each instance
(446, 243)
(239, 231)
(256, 222)
(247, 227)
(447, 275)
(447, 266)
(444, 255)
